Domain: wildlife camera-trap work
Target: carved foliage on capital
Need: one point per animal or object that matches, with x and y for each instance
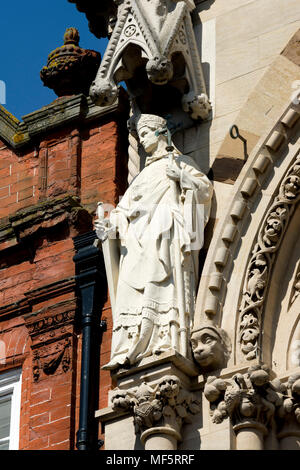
(156, 36)
(166, 403)
(290, 409)
(263, 255)
(253, 400)
(245, 398)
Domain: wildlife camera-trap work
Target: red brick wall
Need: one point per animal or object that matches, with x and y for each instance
(87, 162)
(18, 179)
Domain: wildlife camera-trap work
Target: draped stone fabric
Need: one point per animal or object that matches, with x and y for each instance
(155, 225)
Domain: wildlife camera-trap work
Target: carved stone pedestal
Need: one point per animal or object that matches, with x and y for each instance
(151, 404)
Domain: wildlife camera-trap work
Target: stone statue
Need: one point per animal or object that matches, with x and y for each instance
(159, 226)
(211, 347)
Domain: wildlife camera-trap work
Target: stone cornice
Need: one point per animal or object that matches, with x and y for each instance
(12, 130)
(14, 309)
(49, 318)
(35, 296)
(61, 112)
(50, 290)
(26, 222)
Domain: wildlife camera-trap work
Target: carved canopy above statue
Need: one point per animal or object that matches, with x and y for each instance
(153, 40)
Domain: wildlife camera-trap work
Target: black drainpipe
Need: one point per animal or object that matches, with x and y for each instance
(91, 287)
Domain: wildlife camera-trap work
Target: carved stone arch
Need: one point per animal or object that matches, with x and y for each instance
(224, 282)
(279, 314)
(282, 310)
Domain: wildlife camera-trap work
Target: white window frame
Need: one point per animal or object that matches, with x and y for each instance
(10, 384)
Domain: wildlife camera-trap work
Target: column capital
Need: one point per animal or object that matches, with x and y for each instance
(160, 408)
(248, 399)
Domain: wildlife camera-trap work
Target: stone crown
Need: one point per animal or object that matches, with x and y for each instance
(150, 120)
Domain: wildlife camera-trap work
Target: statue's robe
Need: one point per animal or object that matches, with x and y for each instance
(152, 222)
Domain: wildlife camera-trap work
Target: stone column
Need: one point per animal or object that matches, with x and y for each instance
(250, 435)
(160, 437)
(289, 439)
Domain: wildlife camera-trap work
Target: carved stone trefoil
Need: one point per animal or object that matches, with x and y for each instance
(153, 39)
(260, 265)
(160, 408)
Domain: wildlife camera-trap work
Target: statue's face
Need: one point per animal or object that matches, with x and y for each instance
(148, 139)
(208, 349)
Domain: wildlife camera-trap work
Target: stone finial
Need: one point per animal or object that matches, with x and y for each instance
(71, 36)
(70, 69)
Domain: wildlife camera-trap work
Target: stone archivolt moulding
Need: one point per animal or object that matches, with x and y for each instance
(267, 156)
(259, 267)
(162, 31)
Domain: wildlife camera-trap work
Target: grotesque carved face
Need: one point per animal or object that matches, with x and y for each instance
(208, 348)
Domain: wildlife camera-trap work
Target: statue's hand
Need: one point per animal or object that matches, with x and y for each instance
(173, 172)
(102, 228)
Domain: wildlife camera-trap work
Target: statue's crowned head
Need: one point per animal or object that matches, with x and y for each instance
(150, 120)
(151, 132)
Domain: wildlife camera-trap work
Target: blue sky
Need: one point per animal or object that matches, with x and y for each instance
(29, 31)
